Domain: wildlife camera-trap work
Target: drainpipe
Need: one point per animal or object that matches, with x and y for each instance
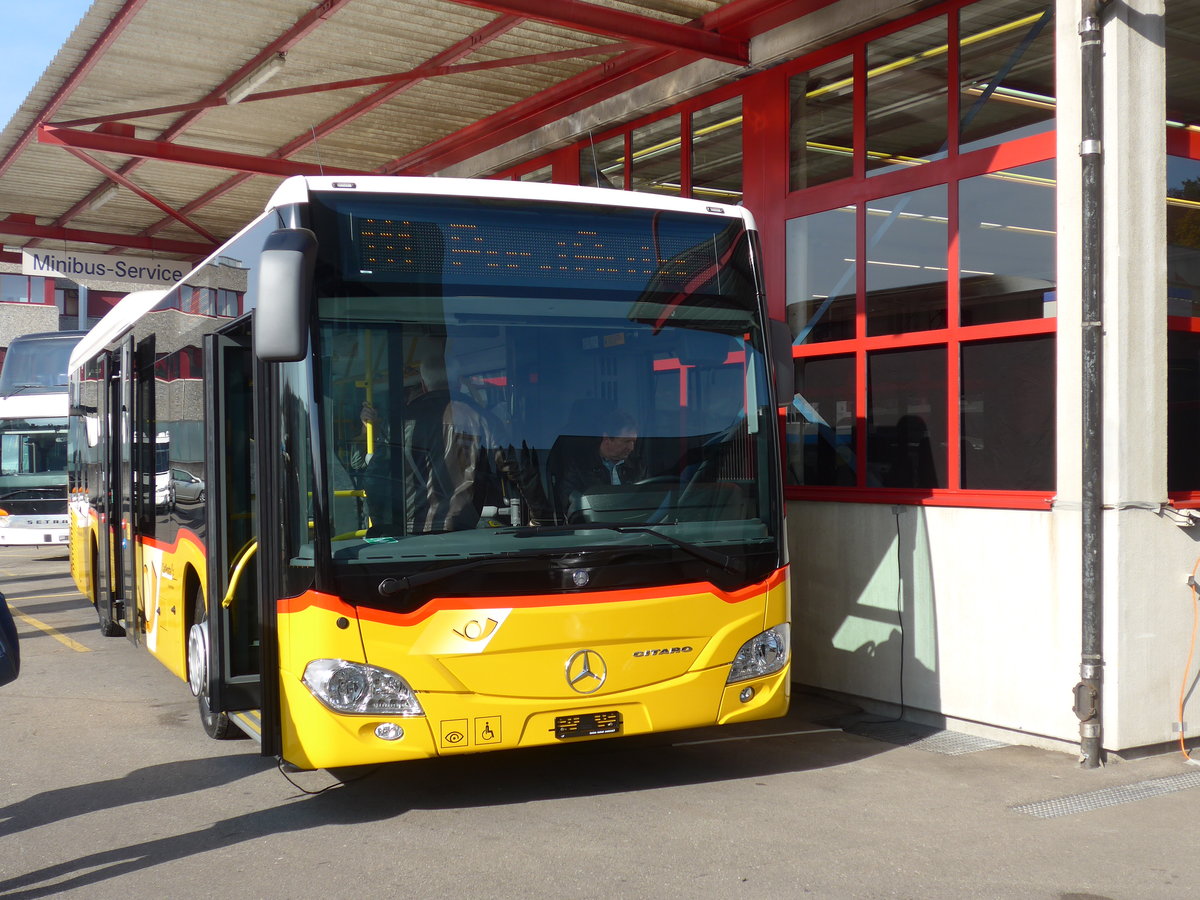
(1088, 695)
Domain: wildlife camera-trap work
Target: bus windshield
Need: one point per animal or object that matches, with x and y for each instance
(510, 383)
(37, 363)
(33, 464)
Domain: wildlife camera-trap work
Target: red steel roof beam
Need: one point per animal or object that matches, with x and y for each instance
(627, 26)
(743, 17)
(197, 156)
(299, 30)
(395, 78)
(115, 26)
(106, 238)
(453, 53)
(587, 88)
(141, 192)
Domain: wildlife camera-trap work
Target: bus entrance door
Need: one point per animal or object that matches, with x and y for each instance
(110, 552)
(235, 624)
(123, 496)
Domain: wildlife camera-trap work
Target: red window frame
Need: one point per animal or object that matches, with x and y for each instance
(1183, 143)
(47, 289)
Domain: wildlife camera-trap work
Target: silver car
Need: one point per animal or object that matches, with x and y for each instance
(186, 487)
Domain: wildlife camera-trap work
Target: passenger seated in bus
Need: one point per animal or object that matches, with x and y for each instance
(603, 461)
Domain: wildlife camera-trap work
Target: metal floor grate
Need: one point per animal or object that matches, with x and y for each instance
(922, 737)
(1077, 803)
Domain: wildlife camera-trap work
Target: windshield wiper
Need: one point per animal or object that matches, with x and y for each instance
(389, 587)
(721, 560)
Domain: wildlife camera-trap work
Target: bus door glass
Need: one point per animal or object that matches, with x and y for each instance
(138, 503)
(108, 549)
(234, 626)
(123, 484)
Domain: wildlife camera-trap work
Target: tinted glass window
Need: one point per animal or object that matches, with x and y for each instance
(906, 419)
(1008, 414)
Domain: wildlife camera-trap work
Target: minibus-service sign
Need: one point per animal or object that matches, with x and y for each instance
(85, 267)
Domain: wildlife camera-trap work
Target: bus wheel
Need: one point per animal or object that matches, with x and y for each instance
(216, 724)
(108, 627)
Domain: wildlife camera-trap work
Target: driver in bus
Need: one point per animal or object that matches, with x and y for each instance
(609, 460)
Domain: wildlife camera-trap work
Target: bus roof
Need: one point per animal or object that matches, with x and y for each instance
(297, 188)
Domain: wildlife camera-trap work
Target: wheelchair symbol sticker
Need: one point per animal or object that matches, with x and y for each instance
(487, 730)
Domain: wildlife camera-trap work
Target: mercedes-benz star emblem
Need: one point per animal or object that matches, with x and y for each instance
(586, 671)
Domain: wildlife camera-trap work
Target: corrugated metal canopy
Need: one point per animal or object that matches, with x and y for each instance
(140, 93)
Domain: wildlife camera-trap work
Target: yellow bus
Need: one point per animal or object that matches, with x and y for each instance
(419, 467)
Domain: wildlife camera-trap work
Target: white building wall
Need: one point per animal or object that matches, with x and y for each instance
(944, 610)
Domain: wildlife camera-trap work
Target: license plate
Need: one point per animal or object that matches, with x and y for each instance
(587, 725)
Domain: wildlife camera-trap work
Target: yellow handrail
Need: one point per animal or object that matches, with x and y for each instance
(239, 563)
(370, 389)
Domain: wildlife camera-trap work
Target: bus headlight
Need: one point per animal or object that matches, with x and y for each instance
(761, 655)
(359, 689)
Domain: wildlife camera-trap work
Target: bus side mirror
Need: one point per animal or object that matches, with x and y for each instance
(284, 295)
(781, 356)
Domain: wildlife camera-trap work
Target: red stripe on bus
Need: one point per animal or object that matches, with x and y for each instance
(183, 535)
(335, 604)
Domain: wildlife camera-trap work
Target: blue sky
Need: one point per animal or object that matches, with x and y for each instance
(33, 32)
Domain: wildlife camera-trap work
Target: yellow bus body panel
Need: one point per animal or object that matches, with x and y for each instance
(164, 571)
(495, 677)
(81, 537)
(161, 582)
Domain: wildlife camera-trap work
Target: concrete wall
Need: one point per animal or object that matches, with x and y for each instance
(17, 319)
(944, 610)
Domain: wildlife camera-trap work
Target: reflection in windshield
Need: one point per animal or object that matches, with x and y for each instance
(510, 423)
(499, 414)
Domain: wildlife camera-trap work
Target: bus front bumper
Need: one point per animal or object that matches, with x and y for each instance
(453, 724)
(33, 530)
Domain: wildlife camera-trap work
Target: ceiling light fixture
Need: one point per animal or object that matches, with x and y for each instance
(261, 75)
(106, 194)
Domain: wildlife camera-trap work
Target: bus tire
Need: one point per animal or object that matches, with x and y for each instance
(216, 724)
(108, 628)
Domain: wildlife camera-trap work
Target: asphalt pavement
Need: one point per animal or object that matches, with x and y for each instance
(111, 790)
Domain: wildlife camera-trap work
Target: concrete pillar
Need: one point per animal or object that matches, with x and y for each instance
(1137, 566)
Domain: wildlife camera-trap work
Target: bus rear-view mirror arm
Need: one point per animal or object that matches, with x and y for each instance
(285, 278)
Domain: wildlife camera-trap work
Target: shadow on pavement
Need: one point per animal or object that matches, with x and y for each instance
(151, 783)
(347, 796)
